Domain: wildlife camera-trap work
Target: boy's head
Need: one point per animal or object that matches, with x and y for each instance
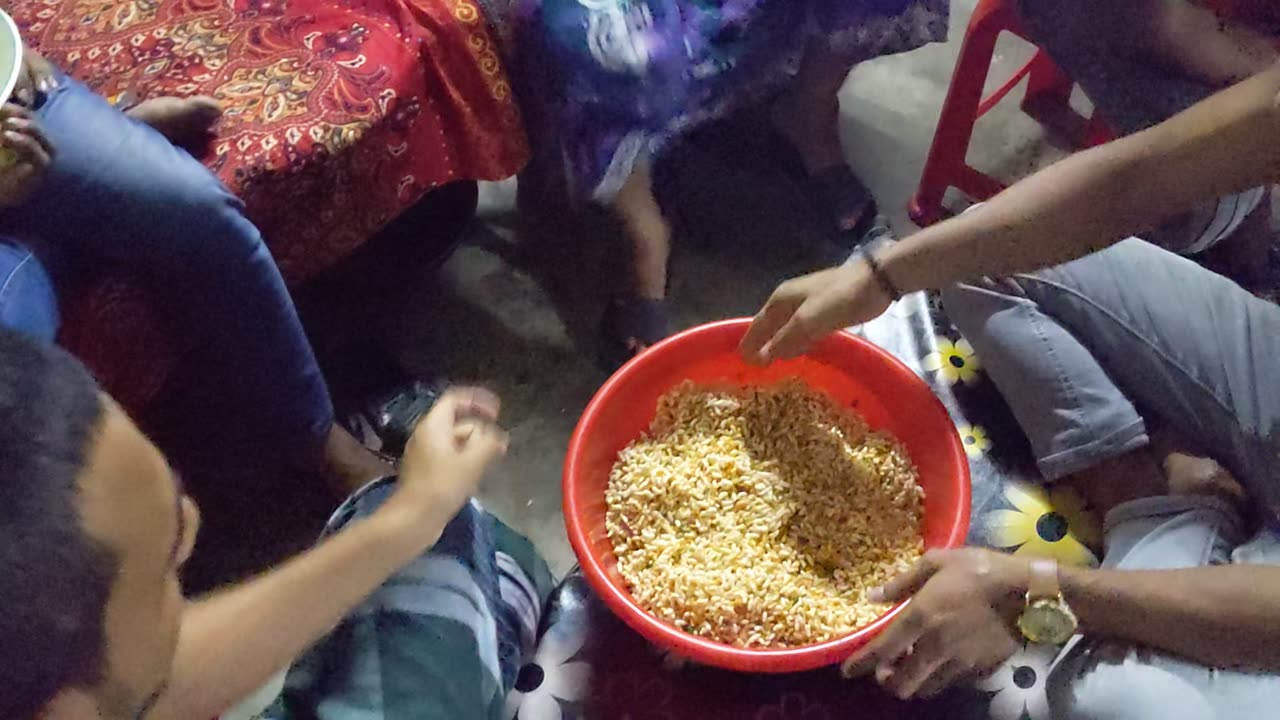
(93, 530)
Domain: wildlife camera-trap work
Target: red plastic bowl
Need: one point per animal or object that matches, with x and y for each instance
(851, 370)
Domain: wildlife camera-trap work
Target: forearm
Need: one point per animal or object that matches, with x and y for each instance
(1222, 616)
(1090, 200)
(234, 641)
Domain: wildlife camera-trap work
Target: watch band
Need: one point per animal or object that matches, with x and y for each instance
(1043, 583)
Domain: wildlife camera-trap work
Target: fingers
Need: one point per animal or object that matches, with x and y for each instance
(460, 404)
(476, 402)
(775, 314)
(909, 583)
(27, 149)
(919, 672)
(26, 125)
(896, 641)
(24, 91)
(481, 440)
(13, 110)
(795, 337)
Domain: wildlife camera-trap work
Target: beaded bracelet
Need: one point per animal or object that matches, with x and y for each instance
(877, 271)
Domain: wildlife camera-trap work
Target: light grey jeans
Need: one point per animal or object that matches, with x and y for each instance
(1076, 350)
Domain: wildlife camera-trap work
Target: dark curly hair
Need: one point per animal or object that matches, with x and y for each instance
(55, 578)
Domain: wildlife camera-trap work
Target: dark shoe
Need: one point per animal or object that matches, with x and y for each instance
(836, 192)
(385, 423)
(847, 202)
(630, 325)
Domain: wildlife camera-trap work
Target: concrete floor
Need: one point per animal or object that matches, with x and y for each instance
(519, 314)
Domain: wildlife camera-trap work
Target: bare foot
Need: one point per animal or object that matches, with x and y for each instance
(1191, 475)
(181, 120)
(1120, 479)
(348, 465)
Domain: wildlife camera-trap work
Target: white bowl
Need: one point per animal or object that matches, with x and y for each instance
(10, 56)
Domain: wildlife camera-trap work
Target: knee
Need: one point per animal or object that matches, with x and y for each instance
(211, 218)
(966, 307)
(1129, 690)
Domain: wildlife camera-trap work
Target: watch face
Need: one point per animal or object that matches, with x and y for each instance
(1047, 621)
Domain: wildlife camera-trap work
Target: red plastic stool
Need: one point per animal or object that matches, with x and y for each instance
(1047, 100)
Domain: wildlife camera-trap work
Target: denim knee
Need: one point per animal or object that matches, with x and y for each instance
(28, 301)
(964, 307)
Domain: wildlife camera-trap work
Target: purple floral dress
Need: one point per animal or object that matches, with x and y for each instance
(608, 83)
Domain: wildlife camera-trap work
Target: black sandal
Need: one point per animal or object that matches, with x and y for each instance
(837, 192)
(847, 201)
(630, 325)
(385, 422)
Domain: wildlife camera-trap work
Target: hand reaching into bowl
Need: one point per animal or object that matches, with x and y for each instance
(958, 625)
(806, 309)
(25, 155)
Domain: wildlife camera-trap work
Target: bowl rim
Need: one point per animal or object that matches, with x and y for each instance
(9, 27)
(702, 650)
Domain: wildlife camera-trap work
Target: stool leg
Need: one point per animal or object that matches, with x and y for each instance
(951, 140)
(1047, 84)
(1048, 101)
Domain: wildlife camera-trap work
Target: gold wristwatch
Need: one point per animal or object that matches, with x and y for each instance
(1046, 619)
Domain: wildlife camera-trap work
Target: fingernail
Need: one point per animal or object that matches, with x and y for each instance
(876, 595)
(844, 671)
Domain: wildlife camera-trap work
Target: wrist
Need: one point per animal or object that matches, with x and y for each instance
(1010, 581)
(407, 526)
(882, 280)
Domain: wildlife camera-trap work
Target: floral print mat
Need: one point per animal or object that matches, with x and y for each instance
(589, 666)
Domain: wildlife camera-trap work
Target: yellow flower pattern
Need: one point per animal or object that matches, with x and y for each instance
(954, 362)
(1052, 524)
(975, 440)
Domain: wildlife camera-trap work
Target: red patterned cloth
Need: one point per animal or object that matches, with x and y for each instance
(338, 116)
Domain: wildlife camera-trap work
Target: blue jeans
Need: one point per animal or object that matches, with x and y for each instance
(28, 302)
(119, 194)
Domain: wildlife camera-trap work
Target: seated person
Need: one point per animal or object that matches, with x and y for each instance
(609, 86)
(1143, 61)
(95, 528)
(1182, 613)
(89, 186)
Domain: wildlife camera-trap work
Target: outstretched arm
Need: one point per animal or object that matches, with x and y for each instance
(1227, 143)
(233, 642)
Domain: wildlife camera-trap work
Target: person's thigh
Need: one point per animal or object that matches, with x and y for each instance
(28, 302)
(120, 191)
(1189, 347)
